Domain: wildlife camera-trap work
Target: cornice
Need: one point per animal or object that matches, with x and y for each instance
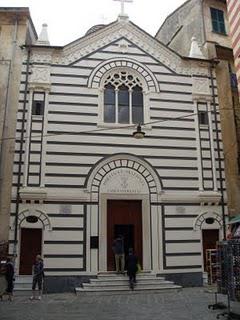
(43, 194)
(91, 38)
(203, 197)
(33, 193)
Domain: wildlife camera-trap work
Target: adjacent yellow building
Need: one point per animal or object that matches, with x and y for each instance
(207, 21)
(16, 30)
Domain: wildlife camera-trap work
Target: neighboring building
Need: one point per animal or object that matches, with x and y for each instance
(16, 29)
(206, 20)
(234, 22)
(85, 179)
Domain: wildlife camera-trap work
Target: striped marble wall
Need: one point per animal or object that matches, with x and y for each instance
(64, 147)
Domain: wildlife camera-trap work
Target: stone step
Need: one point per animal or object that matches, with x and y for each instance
(125, 281)
(109, 273)
(23, 279)
(125, 285)
(157, 289)
(112, 283)
(22, 286)
(22, 291)
(119, 278)
(23, 283)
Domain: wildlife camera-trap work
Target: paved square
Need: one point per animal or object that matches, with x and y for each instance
(187, 304)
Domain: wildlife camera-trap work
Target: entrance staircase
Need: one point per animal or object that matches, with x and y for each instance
(23, 285)
(112, 283)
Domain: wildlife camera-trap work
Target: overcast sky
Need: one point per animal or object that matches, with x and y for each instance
(70, 19)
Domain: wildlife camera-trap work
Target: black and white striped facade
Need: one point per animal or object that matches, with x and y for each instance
(73, 162)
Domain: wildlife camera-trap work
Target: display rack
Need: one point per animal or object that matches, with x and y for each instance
(228, 274)
(211, 265)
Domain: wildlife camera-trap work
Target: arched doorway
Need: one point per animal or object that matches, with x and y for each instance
(124, 187)
(31, 226)
(209, 224)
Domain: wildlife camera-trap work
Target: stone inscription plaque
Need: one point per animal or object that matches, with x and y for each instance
(124, 180)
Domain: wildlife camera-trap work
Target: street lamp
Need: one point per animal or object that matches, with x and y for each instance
(139, 134)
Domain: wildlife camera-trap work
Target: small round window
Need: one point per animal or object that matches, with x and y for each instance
(209, 221)
(32, 219)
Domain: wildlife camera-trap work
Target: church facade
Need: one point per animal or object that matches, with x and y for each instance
(81, 179)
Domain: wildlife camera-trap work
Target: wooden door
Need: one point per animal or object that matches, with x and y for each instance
(31, 244)
(209, 240)
(124, 217)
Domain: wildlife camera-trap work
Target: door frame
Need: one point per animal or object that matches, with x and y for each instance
(146, 228)
(20, 242)
(134, 222)
(201, 237)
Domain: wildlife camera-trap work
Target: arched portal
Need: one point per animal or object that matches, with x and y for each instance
(124, 187)
(31, 226)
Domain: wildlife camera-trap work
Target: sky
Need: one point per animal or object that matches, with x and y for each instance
(70, 20)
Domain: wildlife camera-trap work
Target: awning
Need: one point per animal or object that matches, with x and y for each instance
(233, 220)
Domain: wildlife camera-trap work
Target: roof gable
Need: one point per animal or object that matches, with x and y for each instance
(89, 44)
(124, 49)
(96, 40)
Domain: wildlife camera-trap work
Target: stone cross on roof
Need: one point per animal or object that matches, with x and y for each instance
(123, 14)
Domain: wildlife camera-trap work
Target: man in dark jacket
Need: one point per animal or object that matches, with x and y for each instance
(132, 262)
(118, 249)
(10, 278)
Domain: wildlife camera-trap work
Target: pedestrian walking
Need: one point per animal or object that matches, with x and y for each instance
(118, 249)
(132, 267)
(38, 275)
(9, 275)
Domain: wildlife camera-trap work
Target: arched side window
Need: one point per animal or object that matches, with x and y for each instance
(123, 99)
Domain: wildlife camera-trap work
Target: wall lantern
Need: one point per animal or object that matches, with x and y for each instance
(139, 134)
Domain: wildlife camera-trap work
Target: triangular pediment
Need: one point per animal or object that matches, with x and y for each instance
(125, 49)
(115, 32)
(128, 33)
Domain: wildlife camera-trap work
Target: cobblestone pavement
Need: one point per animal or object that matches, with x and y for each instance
(187, 304)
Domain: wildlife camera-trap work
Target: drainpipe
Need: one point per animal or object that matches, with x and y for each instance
(21, 153)
(212, 66)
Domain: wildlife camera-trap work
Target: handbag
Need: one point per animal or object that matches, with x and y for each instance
(139, 269)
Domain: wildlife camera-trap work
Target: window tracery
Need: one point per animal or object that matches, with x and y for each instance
(123, 98)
